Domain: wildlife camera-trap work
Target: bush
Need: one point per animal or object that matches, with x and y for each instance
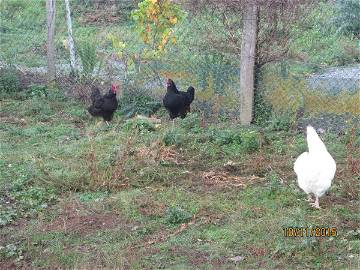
(136, 103)
(9, 81)
(250, 141)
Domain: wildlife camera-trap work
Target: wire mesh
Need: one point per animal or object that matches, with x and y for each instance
(309, 64)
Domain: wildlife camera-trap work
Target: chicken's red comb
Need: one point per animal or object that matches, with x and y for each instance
(113, 88)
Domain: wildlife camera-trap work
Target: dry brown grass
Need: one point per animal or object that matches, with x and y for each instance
(157, 152)
(113, 177)
(223, 178)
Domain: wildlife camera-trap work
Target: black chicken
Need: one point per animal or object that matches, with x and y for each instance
(177, 102)
(103, 105)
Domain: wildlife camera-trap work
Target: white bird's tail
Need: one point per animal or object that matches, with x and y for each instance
(315, 144)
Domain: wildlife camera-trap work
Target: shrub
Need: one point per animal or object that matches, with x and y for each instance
(9, 81)
(250, 141)
(135, 103)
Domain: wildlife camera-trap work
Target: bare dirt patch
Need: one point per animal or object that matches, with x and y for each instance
(197, 257)
(8, 264)
(149, 207)
(157, 152)
(76, 218)
(13, 120)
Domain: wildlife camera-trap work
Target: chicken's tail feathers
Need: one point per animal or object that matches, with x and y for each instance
(313, 140)
(95, 92)
(191, 92)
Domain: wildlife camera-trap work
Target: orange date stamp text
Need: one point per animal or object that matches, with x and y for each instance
(310, 231)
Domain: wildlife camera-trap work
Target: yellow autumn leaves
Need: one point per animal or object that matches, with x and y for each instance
(117, 44)
(155, 22)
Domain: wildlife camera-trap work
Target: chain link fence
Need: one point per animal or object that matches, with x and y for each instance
(309, 66)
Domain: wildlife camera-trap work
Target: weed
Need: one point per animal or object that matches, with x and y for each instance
(274, 185)
(8, 214)
(174, 137)
(191, 122)
(113, 177)
(35, 90)
(10, 251)
(282, 122)
(9, 81)
(89, 58)
(250, 141)
(132, 104)
(138, 124)
(176, 215)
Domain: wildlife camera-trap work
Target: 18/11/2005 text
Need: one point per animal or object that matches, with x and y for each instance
(310, 231)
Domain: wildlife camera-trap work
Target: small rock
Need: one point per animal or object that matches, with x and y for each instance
(237, 259)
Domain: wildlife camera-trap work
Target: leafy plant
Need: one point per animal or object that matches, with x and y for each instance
(347, 17)
(250, 140)
(89, 59)
(225, 137)
(281, 122)
(176, 215)
(155, 21)
(134, 103)
(191, 121)
(7, 215)
(173, 137)
(139, 124)
(11, 250)
(34, 198)
(36, 90)
(9, 81)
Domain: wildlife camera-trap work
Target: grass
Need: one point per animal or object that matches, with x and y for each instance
(139, 196)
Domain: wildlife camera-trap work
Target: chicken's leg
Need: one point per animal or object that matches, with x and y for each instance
(309, 198)
(316, 203)
(107, 123)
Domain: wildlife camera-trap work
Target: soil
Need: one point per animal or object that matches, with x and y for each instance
(76, 218)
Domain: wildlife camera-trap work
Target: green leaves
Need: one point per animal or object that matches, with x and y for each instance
(155, 21)
(176, 215)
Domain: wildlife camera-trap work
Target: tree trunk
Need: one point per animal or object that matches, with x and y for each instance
(70, 38)
(50, 15)
(247, 62)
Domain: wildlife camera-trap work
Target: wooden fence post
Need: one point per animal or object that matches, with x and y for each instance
(50, 16)
(70, 38)
(247, 61)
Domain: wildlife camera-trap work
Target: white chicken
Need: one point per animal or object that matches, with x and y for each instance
(315, 169)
